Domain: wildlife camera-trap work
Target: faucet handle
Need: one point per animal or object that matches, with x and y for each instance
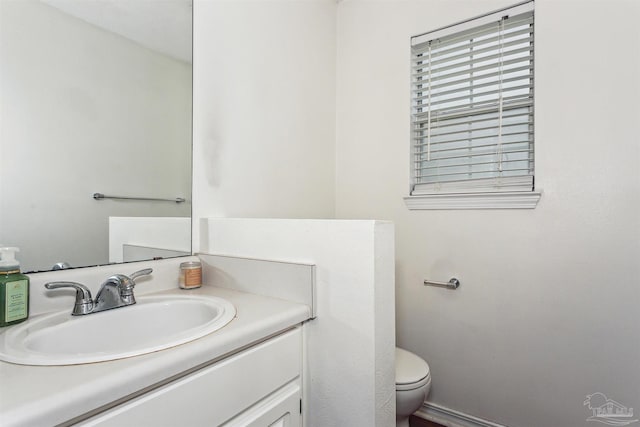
(84, 302)
(139, 273)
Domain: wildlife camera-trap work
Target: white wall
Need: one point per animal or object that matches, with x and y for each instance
(264, 109)
(548, 307)
(547, 310)
(350, 345)
(83, 110)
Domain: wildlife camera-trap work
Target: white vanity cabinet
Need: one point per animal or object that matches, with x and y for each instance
(259, 386)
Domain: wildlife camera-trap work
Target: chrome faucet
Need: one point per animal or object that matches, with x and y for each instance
(115, 292)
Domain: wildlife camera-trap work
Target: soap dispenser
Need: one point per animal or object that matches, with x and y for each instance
(14, 289)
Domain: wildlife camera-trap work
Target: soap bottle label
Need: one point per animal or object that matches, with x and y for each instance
(15, 300)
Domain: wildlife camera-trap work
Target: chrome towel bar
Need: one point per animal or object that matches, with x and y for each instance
(453, 283)
(100, 196)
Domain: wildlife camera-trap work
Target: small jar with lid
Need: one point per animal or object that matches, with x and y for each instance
(190, 275)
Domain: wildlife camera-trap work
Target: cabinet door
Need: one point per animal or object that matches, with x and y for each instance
(281, 409)
(215, 394)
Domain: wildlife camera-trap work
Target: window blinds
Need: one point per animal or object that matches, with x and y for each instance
(472, 112)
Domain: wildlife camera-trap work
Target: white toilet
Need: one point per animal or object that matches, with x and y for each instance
(413, 382)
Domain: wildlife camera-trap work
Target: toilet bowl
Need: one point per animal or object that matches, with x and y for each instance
(413, 383)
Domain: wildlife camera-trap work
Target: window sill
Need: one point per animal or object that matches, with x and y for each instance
(511, 200)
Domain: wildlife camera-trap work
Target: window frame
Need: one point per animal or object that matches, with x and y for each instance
(462, 194)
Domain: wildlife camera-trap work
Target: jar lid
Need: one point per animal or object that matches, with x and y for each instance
(190, 264)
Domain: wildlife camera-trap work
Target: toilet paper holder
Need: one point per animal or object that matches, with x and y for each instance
(453, 283)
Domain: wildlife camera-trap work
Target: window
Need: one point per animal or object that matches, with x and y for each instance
(472, 135)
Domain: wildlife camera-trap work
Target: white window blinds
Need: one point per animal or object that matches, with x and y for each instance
(472, 105)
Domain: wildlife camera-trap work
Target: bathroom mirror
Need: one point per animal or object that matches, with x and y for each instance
(95, 97)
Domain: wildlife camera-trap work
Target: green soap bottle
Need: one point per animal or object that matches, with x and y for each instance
(14, 289)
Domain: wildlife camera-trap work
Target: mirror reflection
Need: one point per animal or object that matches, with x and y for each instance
(95, 97)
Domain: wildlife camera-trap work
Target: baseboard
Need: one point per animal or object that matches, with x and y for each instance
(451, 418)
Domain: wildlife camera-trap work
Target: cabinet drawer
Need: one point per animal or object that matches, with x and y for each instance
(216, 393)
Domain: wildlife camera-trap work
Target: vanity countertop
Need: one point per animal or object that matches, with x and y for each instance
(50, 395)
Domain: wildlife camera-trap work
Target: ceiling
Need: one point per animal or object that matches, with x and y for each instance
(161, 25)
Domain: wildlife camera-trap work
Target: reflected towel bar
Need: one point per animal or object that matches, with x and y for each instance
(100, 196)
(453, 283)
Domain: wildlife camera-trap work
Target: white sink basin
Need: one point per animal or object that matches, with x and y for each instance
(153, 323)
